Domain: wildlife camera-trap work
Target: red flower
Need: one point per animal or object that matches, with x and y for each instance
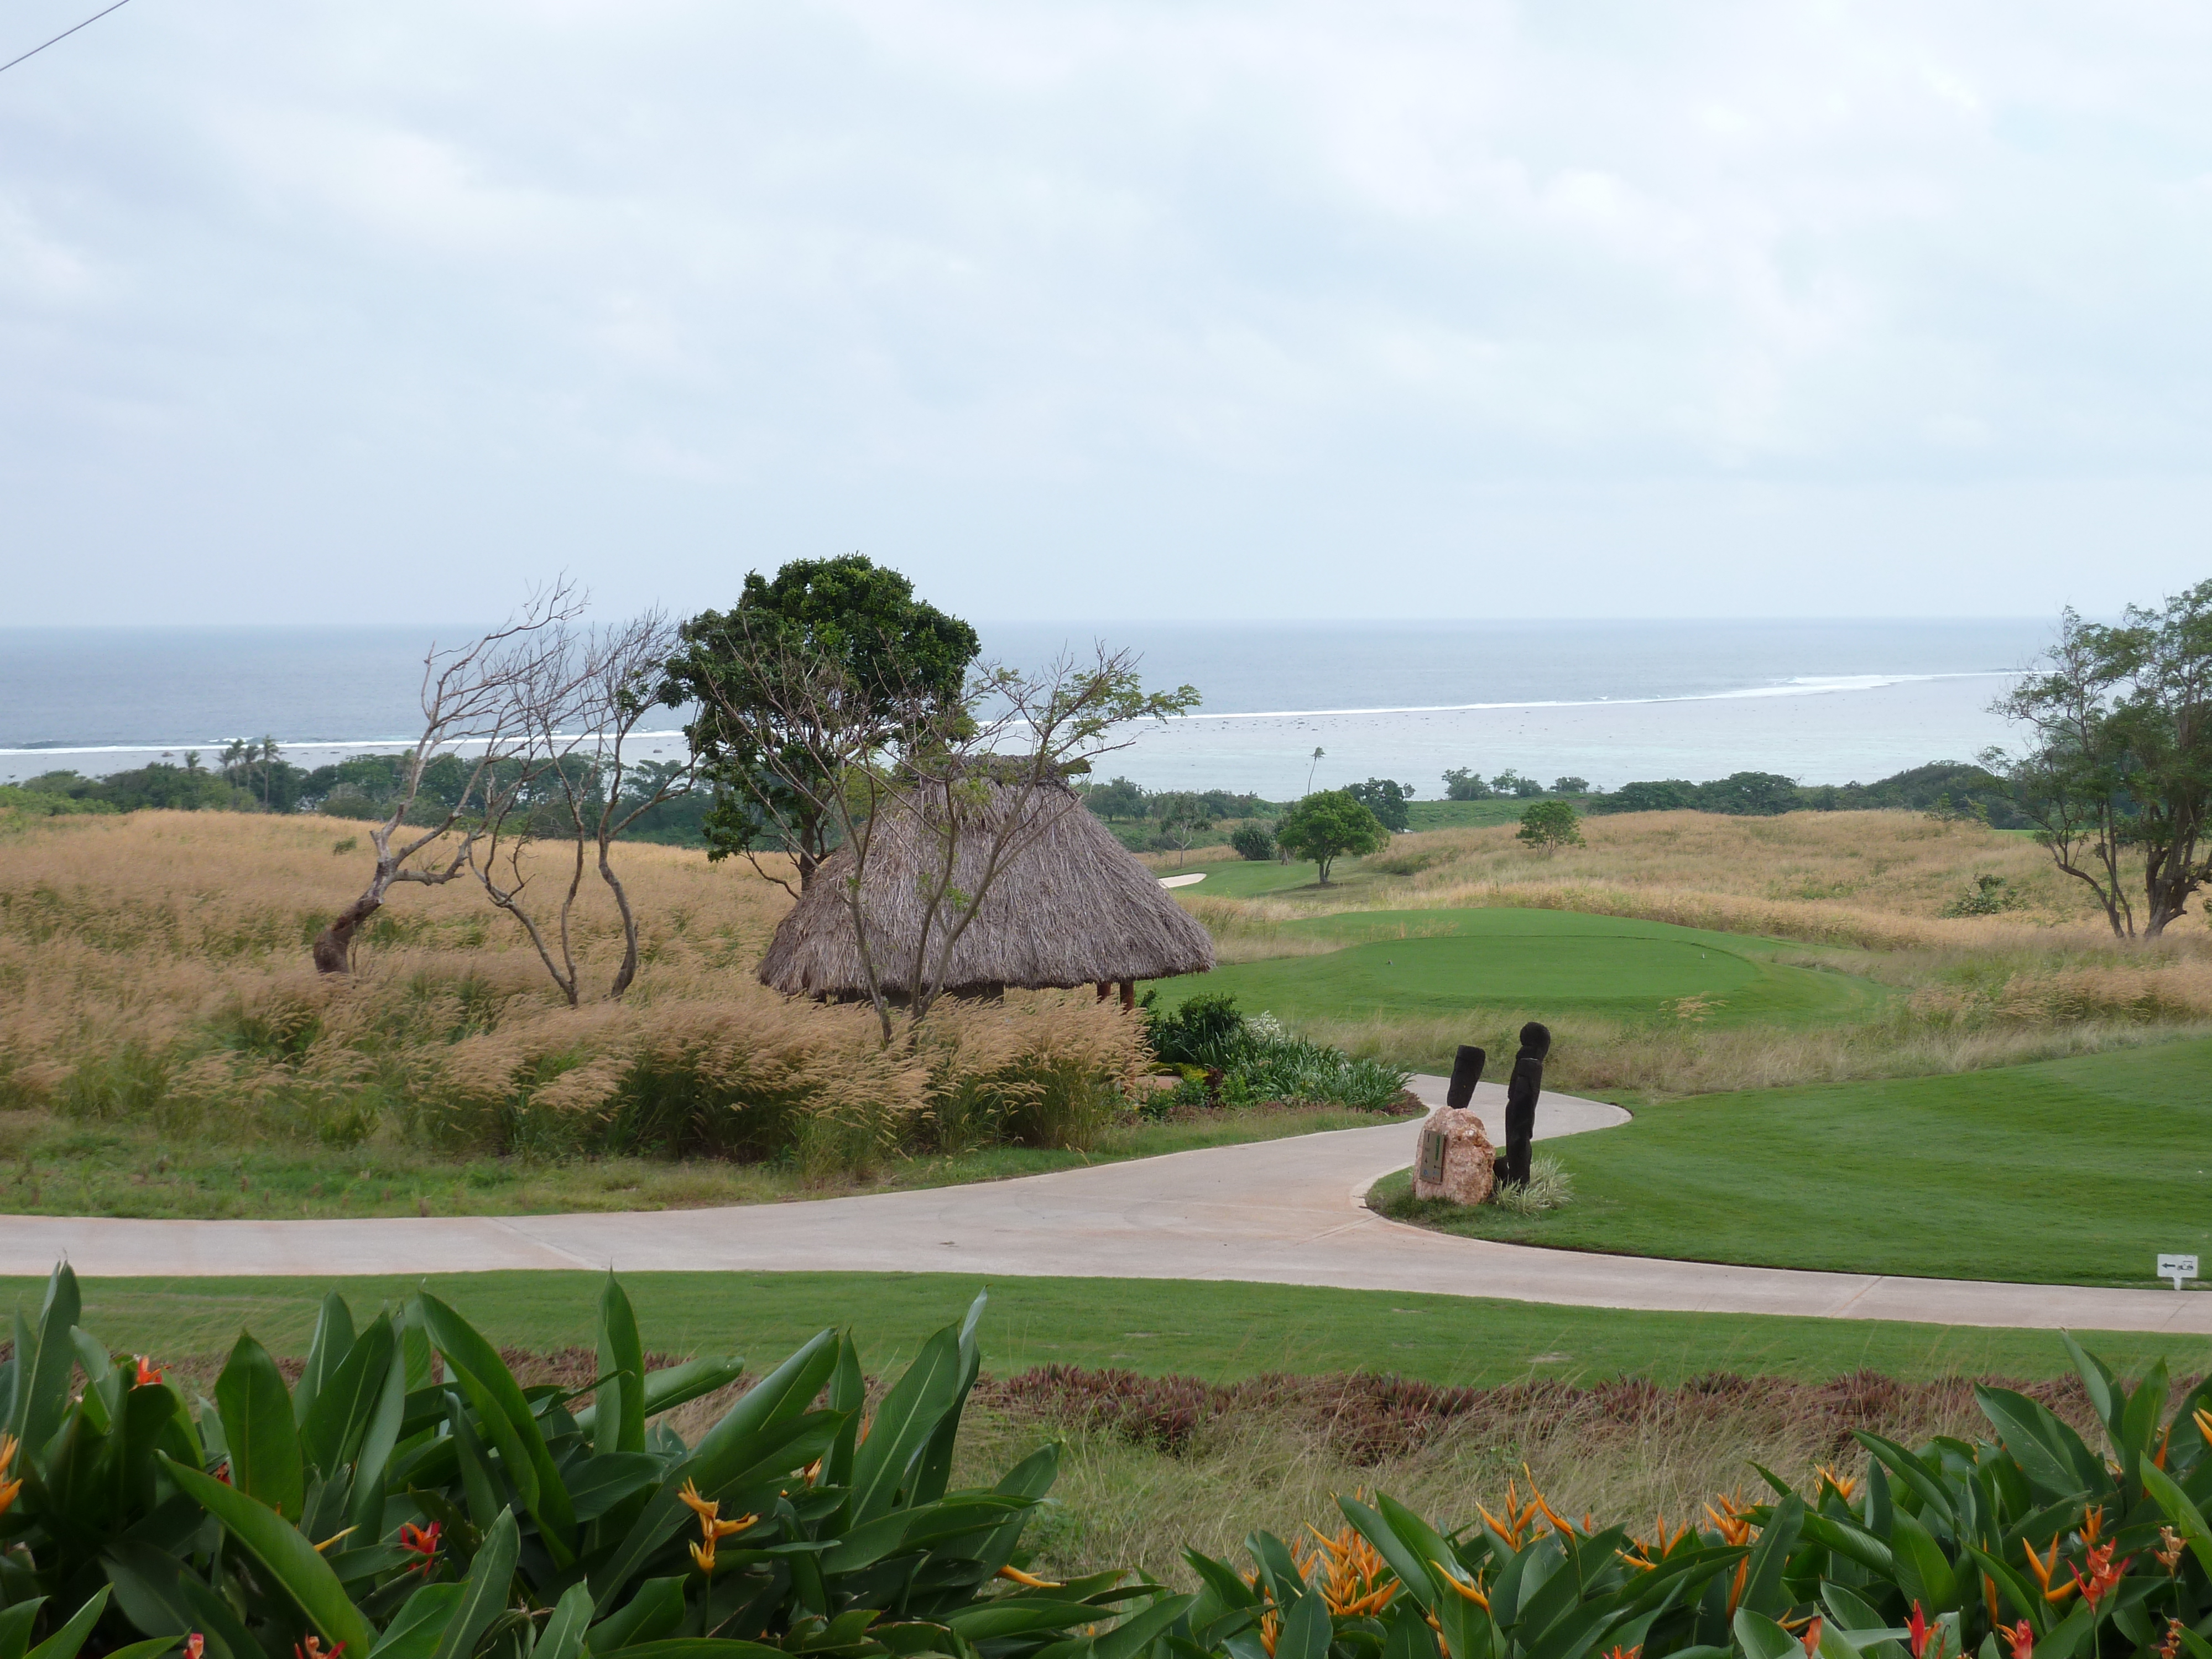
(1917, 1628)
(149, 1374)
(2103, 1578)
(223, 1473)
(424, 1540)
(195, 1645)
(313, 1649)
(2022, 1639)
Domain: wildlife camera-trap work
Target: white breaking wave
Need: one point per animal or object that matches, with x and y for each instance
(1808, 686)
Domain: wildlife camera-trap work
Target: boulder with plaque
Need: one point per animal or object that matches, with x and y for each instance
(1454, 1159)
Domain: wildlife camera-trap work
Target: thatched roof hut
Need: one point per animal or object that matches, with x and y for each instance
(1069, 906)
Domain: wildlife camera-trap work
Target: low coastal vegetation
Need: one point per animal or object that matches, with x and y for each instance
(409, 1489)
(165, 1048)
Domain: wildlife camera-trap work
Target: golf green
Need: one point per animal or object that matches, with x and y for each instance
(1399, 964)
(2078, 1171)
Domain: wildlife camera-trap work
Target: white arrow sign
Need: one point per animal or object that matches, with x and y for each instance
(2177, 1268)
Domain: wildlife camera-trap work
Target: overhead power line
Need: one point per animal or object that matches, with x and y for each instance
(63, 35)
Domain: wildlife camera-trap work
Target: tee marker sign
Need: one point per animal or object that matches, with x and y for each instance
(2177, 1268)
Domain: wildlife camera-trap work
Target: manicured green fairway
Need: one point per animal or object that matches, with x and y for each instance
(2075, 1171)
(1217, 1331)
(1438, 961)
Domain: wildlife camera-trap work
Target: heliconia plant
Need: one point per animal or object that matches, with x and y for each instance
(2026, 1546)
(409, 1498)
(379, 1510)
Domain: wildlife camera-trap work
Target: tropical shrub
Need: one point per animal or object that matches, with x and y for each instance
(1241, 1061)
(1253, 843)
(387, 1510)
(461, 1515)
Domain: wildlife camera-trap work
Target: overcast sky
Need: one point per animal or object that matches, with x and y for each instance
(375, 310)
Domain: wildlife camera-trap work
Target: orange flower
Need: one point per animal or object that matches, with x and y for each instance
(2169, 1554)
(703, 1557)
(2043, 1571)
(1916, 1632)
(2171, 1647)
(2092, 1522)
(313, 1649)
(1356, 1582)
(7, 1488)
(195, 1645)
(1517, 1519)
(1618, 1652)
(2022, 1640)
(1842, 1485)
(149, 1372)
(1467, 1592)
(1811, 1638)
(1015, 1575)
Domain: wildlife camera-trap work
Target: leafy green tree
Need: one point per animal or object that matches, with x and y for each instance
(1325, 827)
(2117, 776)
(1253, 843)
(1119, 800)
(1182, 818)
(1386, 799)
(1463, 783)
(905, 660)
(1750, 795)
(1510, 782)
(1570, 786)
(1664, 795)
(1551, 824)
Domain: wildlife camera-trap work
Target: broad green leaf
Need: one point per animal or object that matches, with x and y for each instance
(1924, 1574)
(331, 1428)
(905, 1420)
(15, 1624)
(258, 1428)
(2019, 1423)
(1762, 1638)
(670, 1387)
(655, 1612)
(2104, 1389)
(2188, 1519)
(1016, 1615)
(326, 1352)
(64, 1642)
(146, 1588)
(1306, 1631)
(933, 1471)
(622, 1358)
(1405, 1559)
(374, 1459)
(2025, 1601)
(145, 1650)
(290, 1558)
(1137, 1631)
(598, 1484)
(507, 1419)
(43, 1397)
(563, 1635)
(414, 1631)
(102, 1395)
(484, 1592)
(694, 1647)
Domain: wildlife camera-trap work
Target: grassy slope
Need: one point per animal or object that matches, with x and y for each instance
(72, 1169)
(2075, 1171)
(1434, 961)
(1217, 1331)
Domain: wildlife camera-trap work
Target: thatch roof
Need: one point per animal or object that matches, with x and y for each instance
(1070, 905)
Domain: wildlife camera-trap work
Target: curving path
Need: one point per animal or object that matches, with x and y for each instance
(1288, 1211)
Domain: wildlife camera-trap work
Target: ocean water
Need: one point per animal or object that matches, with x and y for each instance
(1822, 701)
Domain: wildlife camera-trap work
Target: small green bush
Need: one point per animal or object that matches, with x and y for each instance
(1253, 843)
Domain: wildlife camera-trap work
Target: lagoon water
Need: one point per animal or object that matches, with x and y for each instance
(1822, 701)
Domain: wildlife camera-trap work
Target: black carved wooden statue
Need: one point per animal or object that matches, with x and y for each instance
(1520, 1091)
(1467, 1072)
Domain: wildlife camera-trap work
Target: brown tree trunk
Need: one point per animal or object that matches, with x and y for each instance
(333, 947)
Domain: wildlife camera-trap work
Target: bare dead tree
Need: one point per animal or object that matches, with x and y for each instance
(966, 775)
(575, 782)
(468, 705)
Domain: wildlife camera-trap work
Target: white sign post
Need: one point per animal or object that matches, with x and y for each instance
(2177, 1268)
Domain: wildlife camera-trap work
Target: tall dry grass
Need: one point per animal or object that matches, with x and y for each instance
(1275, 1452)
(153, 968)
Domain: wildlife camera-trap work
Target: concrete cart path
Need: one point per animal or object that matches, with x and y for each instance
(1288, 1211)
